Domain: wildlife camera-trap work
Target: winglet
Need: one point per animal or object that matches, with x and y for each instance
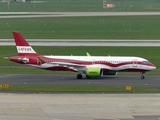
(88, 54)
(40, 59)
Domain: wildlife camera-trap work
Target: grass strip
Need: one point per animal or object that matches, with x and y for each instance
(149, 53)
(79, 89)
(24, 70)
(13, 70)
(99, 27)
(80, 6)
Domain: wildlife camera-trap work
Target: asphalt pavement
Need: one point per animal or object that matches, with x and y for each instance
(71, 14)
(79, 106)
(71, 80)
(83, 42)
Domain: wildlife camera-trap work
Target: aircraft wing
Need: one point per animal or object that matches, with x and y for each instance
(74, 66)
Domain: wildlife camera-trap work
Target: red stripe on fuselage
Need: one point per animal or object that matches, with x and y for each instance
(33, 59)
(80, 62)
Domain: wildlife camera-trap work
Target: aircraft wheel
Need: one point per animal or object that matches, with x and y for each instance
(79, 76)
(142, 77)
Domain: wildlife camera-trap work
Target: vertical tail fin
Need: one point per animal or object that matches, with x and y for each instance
(22, 45)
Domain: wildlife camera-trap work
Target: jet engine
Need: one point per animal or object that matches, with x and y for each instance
(94, 72)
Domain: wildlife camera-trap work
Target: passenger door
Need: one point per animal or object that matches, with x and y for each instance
(134, 63)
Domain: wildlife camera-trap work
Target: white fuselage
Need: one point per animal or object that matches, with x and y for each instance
(113, 63)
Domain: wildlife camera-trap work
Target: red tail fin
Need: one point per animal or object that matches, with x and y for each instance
(22, 45)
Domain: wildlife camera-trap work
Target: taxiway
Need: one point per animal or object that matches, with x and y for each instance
(79, 106)
(71, 14)
(83, 42)
(71, 80)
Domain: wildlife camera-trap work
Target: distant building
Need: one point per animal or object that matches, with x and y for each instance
(110, 5)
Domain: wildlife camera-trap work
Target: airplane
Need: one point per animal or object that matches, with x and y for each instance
(91, 66)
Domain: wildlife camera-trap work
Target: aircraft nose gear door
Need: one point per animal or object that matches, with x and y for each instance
(134, 63)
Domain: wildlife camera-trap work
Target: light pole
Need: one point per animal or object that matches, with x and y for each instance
(8, 4)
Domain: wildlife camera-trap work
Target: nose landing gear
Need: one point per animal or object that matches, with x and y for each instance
(142, 76)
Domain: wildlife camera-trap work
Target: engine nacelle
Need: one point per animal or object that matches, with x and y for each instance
(110, 73)
(94, 72)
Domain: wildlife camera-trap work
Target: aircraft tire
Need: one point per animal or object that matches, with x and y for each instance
(142, 77)
(79, 76)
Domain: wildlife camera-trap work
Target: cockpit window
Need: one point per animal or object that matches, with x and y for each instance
(145, 62)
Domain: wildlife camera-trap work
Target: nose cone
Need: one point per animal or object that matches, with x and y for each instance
(153, 67)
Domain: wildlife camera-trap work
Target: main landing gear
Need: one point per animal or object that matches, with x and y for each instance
(142, 76)
(79, 76)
